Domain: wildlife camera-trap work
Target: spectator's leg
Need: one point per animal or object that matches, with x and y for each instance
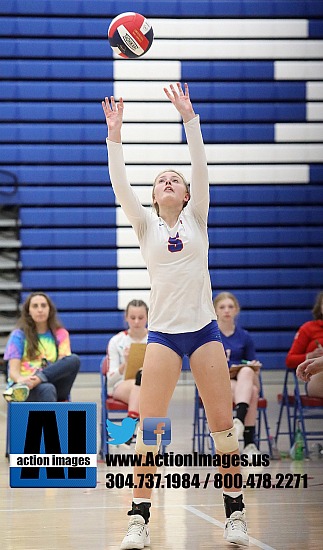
(62, 374)
(43, 392)
(315, 385)
(251, 416)
(128, 392)
(250, 419)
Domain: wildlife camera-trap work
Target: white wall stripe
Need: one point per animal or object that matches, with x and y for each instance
(125, 296)
(140, 69)
(229, 28)
(149, 112)
(299, 132)
(314, 111)
(226, 153)
(158, 111)
(236, 174)
(236, 49)
(133, 278)
(137, 91)
(130, 257)
(314, 91)
(126, 237)
(152, 133)
(298, 70)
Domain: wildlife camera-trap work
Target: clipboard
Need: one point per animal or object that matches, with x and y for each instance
(233, 371)
(135, 360)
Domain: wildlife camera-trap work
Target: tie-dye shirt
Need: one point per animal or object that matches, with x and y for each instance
(48, 349)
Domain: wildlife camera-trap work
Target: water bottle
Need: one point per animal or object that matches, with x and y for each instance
(299, 444)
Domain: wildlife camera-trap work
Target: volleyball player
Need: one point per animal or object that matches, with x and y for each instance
(174, 244)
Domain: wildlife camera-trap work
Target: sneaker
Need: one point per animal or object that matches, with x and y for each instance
(254, 458)
(16, 392)
(235, 529)
(251, 450)
(137, 535)
(239, 426)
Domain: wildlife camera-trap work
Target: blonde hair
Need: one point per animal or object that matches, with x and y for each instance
(223, 296)
(155, 206)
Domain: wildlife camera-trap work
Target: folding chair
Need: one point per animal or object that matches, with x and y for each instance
(118, 409)
(201, 431)
(299, 408)
(8, 432)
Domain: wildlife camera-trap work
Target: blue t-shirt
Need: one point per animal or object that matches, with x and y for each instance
(238, 346)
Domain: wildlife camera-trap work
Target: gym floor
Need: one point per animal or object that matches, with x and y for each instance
(181, 519)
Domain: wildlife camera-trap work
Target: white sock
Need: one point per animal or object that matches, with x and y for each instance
(139, 500)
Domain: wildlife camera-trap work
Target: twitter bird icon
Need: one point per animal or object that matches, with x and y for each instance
(121, 434)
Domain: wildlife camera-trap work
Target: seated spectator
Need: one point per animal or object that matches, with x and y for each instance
(307, 347)
(245, 385)
(41, 365)
(136, 316)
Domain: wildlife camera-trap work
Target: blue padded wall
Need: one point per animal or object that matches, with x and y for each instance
(255, 71)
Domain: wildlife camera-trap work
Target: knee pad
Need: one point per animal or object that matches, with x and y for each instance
(142, 449)
(138, 378)
(226, 441)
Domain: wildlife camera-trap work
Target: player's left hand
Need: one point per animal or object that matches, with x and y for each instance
(181, 100)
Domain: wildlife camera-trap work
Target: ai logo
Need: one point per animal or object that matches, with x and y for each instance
(52, 444)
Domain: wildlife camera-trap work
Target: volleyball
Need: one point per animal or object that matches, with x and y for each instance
(130, 35)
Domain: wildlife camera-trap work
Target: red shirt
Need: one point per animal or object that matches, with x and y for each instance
(305, 341)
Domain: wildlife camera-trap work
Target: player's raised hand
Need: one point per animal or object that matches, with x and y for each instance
(181, 100)
(113, 115)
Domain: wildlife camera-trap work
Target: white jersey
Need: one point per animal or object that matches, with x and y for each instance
(177, 257)
(117, 345)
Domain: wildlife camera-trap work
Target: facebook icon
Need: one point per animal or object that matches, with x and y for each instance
(152, 427)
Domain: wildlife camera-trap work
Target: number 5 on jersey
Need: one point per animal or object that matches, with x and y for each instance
(175, 244)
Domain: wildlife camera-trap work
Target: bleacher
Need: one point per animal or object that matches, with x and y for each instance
(255, 71)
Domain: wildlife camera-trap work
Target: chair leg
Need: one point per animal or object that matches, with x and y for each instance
(212, 444)
(199, 425)
(104, 444)
(203, 430)
(298, 414)
(285, 403)
(195, 424)
(263, 413)
(282, 405)
(8, 433)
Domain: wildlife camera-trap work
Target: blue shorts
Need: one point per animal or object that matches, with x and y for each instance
(185, 343)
